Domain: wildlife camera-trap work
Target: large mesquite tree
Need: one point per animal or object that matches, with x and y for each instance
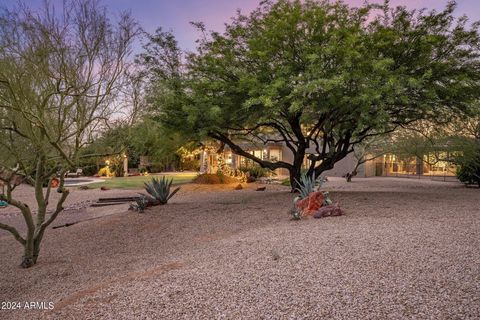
(317, 76)
(59, 71)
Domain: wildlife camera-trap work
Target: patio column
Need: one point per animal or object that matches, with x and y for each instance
(125, 165)
(203, 161)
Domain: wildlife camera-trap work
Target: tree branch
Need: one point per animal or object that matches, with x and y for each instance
(14, 232)
(239, 151)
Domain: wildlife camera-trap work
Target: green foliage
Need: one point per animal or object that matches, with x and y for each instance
(137, 182)
(105, 172)
(60, 70)
(257, 171)
(469, 166)
(159, 189)
(88, 166)
(308, 184)
(224, 170)
(147, 138)
(150, 138)
(301, 71)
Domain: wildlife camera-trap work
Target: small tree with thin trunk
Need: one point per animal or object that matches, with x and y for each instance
(370, 149)
(59, 71)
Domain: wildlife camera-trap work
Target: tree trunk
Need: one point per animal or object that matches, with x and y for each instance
(28, 257)
(36, 224)
(36, 246)
(294, 177)
(295, 172)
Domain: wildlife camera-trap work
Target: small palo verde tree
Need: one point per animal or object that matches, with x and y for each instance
(59, 71)
(318, 77)
(370, 149)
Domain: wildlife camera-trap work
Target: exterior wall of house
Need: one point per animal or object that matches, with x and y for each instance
(369, 169)
(275, 152)
(343, 167)
(392, 165)
(340, 168)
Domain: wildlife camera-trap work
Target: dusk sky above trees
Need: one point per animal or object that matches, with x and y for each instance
(175, 16)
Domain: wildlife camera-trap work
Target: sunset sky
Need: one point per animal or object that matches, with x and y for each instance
(175, 15)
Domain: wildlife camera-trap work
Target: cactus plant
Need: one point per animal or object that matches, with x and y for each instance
(159, 189)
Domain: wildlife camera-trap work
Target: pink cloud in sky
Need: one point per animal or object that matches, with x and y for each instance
(176, 15)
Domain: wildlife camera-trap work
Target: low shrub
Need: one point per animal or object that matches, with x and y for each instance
(214, 178)
(469, 168)
(105, 172)
(89, 170)
(257, 172)
(140, 204)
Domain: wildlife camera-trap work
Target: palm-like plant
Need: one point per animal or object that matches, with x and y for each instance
(159, 189)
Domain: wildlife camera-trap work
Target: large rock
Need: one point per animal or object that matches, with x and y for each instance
(311, 204)
(328, 211)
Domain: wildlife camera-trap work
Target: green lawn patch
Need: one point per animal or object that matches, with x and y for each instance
(138, 181)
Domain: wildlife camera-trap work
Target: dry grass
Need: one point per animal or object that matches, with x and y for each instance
(209, 178)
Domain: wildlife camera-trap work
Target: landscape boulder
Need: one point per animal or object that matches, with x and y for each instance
(328, 211)
(311, 204)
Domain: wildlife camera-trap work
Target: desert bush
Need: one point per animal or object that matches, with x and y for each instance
(105, 172)
(140, 204)
(469, 168)
(89, 169)
(257, 171)
(306, 185)
(217, 178)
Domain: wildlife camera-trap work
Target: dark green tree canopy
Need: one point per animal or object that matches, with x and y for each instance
(318, 76)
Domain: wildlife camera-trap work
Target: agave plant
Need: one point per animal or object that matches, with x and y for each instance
(159, 189)
(308, 184)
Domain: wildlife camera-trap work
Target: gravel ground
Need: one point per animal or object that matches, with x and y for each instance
(77, 206)
(406, 249)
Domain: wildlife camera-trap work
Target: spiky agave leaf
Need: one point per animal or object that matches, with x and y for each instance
(160, 189)
(173, 193)
(306, 185)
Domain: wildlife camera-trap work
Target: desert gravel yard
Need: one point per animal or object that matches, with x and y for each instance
(406, 249)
